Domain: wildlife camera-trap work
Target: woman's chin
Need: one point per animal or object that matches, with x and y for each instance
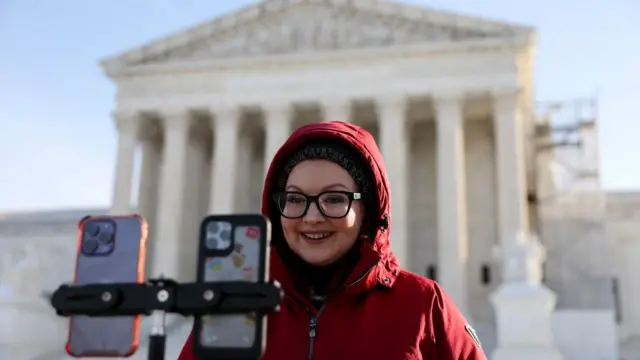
(316, 259)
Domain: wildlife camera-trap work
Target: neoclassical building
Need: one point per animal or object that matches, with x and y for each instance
(211, 106)
(449, 98)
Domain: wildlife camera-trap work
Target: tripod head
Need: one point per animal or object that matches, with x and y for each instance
(162, 296)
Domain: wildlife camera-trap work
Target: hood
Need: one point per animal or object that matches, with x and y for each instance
(361, 141)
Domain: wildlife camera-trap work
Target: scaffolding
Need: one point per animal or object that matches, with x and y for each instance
(570, 205)
(565, 133)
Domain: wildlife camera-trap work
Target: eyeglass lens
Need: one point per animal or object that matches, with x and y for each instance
(330, 204)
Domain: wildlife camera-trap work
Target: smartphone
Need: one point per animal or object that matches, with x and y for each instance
(232, 248)
(111, 249)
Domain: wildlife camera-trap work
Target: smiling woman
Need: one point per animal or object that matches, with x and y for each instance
(320, 220)
(327, 196)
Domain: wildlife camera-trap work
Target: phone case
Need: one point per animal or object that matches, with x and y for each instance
(111, 249)
(232, 248)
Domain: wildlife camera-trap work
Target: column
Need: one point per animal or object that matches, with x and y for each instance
(510, 164)
(395, 150)
(337, 111)
(148, 192)
(452, 212)
(223, 172)
(127, 125)
(168, 256)
(244, 172)
(277, 126)
(149, 179)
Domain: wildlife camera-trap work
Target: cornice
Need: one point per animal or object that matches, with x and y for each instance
(329, 58)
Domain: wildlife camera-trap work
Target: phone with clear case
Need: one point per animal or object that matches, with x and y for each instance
(111, 249)
(232, 248)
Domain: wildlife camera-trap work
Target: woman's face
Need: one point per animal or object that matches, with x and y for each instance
(312, 177)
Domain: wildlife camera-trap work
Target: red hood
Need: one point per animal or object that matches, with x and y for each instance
(364, 143)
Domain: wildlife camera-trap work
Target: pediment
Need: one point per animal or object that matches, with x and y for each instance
(277, 27)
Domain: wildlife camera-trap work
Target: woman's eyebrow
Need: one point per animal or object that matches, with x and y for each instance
(328, 187)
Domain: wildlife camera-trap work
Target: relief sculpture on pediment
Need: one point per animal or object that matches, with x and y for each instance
(319, 29)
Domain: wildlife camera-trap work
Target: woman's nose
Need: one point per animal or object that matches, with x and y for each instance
(313, 215)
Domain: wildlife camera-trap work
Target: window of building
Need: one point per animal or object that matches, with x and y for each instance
(617, 305)
(485, 274)
(432, 272)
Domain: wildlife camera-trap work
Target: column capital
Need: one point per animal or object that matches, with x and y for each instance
(394, 101)
(336, 109)
(226, 113)
(507, 92)
(335, 102)
(448, 98)
(277, 112)
(449, 109)
(176, 119)
(506, 97)
(127, 122)
(284, 108)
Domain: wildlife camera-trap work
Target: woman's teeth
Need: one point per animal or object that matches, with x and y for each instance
(316, 236)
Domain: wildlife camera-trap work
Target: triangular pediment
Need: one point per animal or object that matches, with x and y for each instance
(277, 27)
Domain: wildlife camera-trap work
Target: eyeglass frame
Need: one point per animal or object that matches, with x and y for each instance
(352, 196)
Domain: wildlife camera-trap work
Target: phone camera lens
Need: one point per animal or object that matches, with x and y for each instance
(91, 228)
(105, 237)
(106, 233)
(90, 246)
(107, 227)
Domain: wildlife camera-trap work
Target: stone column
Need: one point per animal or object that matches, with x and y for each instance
(277, 126)
(149, 179)
(337, 111)
(244, 174)
(522, 298)
(223, 177)
(167, 258)
(148, 191)
(394, 144)
(452, 207)
(127, 125)
(510, 164)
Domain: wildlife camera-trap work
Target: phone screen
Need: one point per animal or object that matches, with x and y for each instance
(242, 264)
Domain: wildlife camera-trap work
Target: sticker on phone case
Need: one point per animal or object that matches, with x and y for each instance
(214, 264)
(237, 256)
(252, 233)
(247, 274)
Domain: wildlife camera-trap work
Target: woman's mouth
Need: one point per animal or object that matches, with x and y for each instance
(316, 236)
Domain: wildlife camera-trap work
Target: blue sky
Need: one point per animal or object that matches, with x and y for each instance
(57, 142)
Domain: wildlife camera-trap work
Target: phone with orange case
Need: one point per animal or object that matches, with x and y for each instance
(111, 249)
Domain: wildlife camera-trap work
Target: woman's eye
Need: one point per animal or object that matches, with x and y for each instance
(335, 200)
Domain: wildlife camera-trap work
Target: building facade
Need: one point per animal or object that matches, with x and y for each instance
(449, 98)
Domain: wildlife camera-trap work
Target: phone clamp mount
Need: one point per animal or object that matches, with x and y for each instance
(158, 297)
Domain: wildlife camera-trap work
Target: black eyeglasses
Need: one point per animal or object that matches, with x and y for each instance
(332, 204)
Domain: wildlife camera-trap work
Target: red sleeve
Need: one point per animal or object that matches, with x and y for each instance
(187, 349)
(452, 338)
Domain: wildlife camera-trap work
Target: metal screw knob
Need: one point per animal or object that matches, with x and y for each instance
(106, 296)
(208, 295)
(163, 296)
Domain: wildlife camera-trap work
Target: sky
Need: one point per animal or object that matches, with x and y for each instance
(57, 140)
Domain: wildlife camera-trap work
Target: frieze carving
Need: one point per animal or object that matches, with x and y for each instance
(314, 28)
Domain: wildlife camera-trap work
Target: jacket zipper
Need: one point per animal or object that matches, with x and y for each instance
(313, 320)
(313, 323)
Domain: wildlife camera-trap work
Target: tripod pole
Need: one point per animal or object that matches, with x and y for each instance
(157, 337)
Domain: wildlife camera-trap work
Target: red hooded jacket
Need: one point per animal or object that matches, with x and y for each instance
(383, 312)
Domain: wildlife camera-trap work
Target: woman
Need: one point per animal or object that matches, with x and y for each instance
(346, 298)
